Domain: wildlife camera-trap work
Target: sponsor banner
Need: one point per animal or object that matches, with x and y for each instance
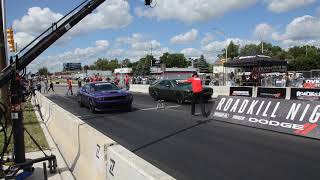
(275, 93)
(311, 83)
(288, 116)
(241, 91)
(305, 94)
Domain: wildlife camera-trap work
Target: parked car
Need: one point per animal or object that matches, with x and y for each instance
(173, 90)
(104, 96)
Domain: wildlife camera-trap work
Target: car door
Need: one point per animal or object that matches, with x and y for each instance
(85, 94)
(165, 89)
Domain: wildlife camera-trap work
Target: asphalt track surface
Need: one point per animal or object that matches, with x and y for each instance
(195, 148)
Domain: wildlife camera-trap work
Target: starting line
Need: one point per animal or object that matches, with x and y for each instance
(155, 108)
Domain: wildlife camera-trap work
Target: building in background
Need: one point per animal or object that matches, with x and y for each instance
(67, 67)
(170, 73)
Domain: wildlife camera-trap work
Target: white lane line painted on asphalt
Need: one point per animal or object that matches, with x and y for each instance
(167, 107)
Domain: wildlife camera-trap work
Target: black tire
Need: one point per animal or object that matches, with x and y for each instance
(129, 108)
(155, 95)
(80, 102)
(180, 99)
(92, 107)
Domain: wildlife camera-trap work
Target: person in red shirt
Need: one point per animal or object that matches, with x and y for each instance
(127, 81)
(69, 82)
(197, 95)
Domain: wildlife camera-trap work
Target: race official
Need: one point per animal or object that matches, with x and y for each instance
(197, 94)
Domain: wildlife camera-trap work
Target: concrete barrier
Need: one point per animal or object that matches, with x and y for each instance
(86, 150)
(220, 90)
(123, 165)
(140, 88)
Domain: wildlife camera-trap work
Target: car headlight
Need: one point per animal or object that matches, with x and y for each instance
(100, 98)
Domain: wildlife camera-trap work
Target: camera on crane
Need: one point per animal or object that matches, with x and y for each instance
(147, 2)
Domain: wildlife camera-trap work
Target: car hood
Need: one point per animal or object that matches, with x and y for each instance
(111, 93)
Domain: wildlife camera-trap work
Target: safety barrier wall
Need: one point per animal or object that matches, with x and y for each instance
(86, 150)
(140, 88)
(250, 91)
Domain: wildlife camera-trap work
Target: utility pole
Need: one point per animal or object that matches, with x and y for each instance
(151, 54)
(3, 57)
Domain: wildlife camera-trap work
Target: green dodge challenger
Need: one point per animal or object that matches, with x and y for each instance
(173, 90)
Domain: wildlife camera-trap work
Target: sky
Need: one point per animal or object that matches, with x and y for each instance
(128, 29)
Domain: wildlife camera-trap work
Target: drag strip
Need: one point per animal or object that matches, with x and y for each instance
(192, 147)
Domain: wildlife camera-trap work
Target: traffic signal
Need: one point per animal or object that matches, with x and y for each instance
(147, 2)
(10, 37)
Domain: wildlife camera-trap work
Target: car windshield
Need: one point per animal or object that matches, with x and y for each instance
(105, 87)
(181, 83)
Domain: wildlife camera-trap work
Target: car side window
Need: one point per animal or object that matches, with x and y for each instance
(91, 89)
(162, 83)
(85, 88)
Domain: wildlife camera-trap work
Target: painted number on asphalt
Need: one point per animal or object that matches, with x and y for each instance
(113, 163)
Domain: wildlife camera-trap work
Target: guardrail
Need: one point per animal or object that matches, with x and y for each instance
(90, 154)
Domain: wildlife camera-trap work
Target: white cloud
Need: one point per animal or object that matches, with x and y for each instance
(36, 20)
(191, 52)
(192, 10)
(263, 31)
(146, 46)
(136, 37)
(186, 38)
(318, 12)
(279, 6)
(112, 14)
(302, 30)
(207, 39)
(22, 39)
(84, 55)
(218, 46)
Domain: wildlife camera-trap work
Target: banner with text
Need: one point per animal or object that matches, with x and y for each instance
(241, 91)
(287, 116)
(305, 94)
(275, 93)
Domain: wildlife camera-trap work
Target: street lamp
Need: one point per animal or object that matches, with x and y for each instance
(225, 38)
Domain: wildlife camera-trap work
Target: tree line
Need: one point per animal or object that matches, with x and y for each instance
(300, 58)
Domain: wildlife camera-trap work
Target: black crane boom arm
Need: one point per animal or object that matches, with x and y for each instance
(47, 41)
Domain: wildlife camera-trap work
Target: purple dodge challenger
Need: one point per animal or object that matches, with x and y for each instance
(102, 96)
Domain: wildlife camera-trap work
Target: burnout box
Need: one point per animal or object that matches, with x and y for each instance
(287, 116)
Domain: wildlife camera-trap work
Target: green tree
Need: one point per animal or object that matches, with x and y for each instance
(233, 51)
(105, 64)
(43, 71)
(174, 60)
(202, 64)
(143, 66)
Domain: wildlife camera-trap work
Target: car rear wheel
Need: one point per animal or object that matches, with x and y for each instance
(92, 107)
(155, 95)
(180, 99)
(129, 108)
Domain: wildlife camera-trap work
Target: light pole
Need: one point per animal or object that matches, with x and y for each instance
(225, 74)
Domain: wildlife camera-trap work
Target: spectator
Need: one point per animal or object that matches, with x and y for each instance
(79, 83)
(39, 86)
(45, 90)
(127, 82)
(51, 86)
(197, 94)
(69, 82)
